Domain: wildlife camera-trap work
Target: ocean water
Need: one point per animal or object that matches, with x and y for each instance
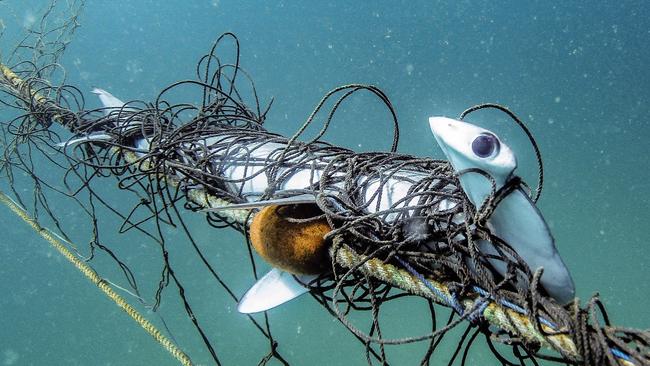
(576, 73)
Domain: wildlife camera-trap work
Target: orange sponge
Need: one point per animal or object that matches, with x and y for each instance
(295, 247)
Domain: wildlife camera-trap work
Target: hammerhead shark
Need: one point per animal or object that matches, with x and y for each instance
(469, 148)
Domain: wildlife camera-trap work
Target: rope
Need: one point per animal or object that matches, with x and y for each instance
(504, 318)
(197, 195)
(91, 275)
(16, 82)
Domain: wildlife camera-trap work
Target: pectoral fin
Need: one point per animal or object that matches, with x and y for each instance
(275, 288)
(519, 223)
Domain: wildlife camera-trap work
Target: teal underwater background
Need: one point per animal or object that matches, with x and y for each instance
(576, 72)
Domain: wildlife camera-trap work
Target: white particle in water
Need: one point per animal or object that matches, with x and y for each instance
(10, 357)
(29, 19)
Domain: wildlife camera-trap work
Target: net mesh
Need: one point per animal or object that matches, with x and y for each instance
(174, 157)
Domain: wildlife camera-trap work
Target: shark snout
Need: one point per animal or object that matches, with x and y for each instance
(441, 126)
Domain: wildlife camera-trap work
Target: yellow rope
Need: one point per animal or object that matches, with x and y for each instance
(17, 83)
(197, 195)
(98, 281)
(499, 316)
(504, 318)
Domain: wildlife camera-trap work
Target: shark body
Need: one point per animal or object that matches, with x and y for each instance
(516, 219)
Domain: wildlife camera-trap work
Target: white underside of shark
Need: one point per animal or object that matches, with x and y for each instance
(516, 219)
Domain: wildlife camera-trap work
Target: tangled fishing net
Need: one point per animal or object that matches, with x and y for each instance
(174, 157)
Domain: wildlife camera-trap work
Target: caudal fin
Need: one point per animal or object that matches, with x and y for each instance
(109, 101)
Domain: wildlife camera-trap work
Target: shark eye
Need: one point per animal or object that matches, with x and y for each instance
(485, 145)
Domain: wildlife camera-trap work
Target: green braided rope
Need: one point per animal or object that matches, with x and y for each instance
(499, 316)
(98, 281)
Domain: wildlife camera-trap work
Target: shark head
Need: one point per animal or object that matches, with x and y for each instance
(470, 147)
(516, 219)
